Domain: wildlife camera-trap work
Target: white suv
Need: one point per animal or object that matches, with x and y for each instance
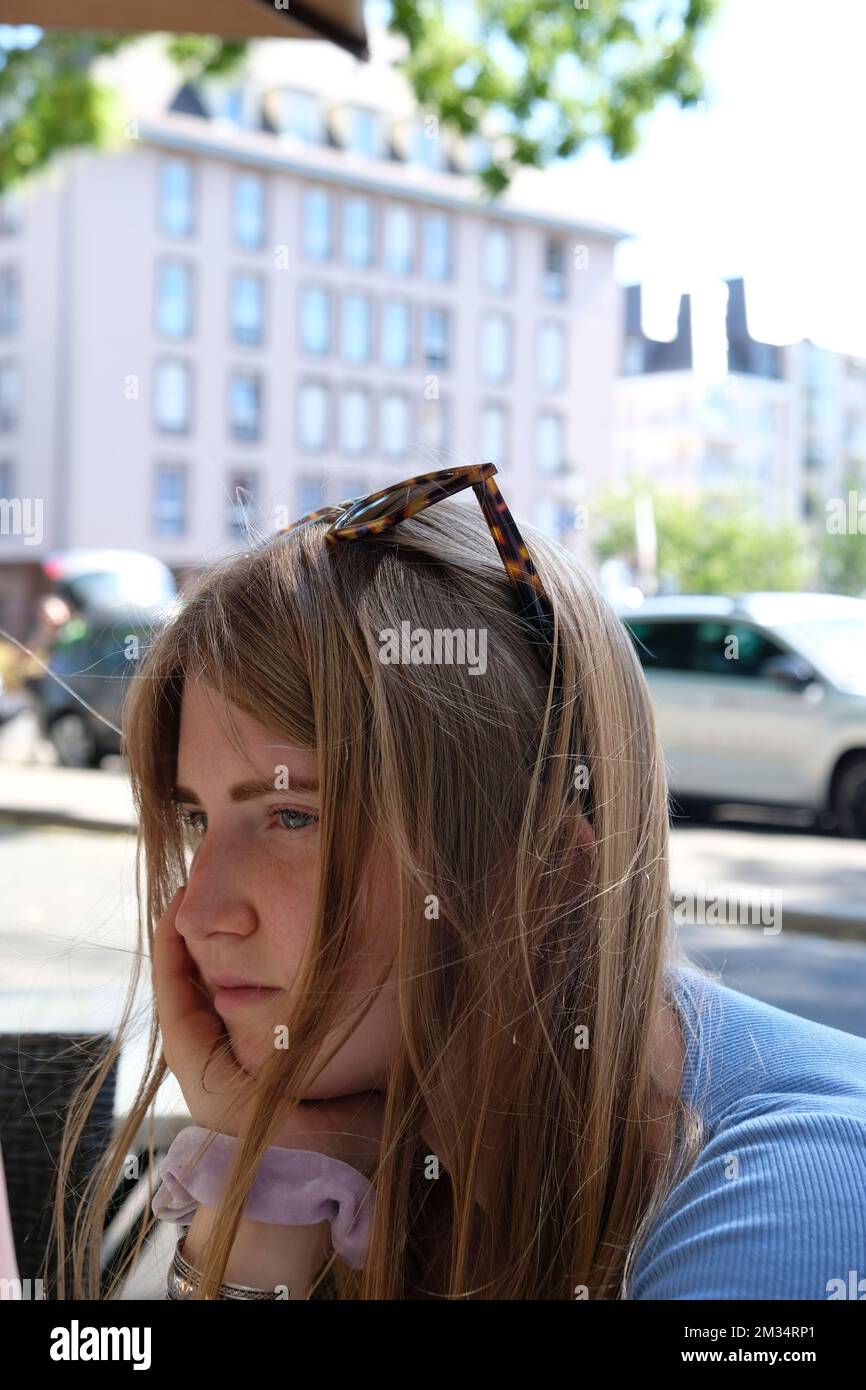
(760, 698)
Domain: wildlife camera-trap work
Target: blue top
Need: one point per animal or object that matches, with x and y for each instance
(775, 1204)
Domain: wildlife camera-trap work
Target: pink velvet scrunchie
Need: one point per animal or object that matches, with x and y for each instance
(293, 1187)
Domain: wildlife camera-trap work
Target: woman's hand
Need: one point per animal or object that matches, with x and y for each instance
(194, 1039)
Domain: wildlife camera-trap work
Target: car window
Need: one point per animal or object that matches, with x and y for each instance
(732, 649)
(662, 646)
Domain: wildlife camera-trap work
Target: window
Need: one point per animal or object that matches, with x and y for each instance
(313, 418)
(174, 300)
(316, 319)
(434, 424)
(712, 641)
(301, 116)
(10, 392)
(249, 211)
(354, 487)
(552, 517)
(765, 359)
(355, 328)
(665, 645)
(632, 357)
(492, 442)
(318, 231)
(398, 236)
(395, 425)
(245, 406)
(437, 246)
(354, 421)
(549, 442)
(172, 396)
(9, 298)
(436, 338)
(427, 146)
(176, 197)
(550, 362)
(495, 347)
(247, 295)
(554, 269)
(228, 105)
(243, 496)
(169, 514)
(496, 258)
(311, 494)
(396, 333)
(479, 152)
(718, 465)
(10, 213)
(365, 132)
(358, 231)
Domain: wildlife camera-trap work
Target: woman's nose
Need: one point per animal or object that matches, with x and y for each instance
(213, 901)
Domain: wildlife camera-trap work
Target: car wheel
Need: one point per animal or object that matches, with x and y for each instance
(73, 742)
(850, 799)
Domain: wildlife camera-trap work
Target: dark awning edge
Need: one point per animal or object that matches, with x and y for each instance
(326, 28)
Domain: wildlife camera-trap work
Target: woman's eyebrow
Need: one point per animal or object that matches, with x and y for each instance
(249, 791)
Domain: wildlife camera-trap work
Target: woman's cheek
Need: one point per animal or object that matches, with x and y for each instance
(360, 1065)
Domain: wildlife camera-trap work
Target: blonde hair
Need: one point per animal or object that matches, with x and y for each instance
(540, 931)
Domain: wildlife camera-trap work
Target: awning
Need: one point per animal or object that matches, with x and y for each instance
(339, 21)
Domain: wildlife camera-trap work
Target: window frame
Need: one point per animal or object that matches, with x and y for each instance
(171, 359)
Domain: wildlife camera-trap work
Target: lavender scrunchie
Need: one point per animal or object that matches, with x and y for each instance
(293, 1187)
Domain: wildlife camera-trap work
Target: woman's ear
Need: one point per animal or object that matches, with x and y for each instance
(585, 833)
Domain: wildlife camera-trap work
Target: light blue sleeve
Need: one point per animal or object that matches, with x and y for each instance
(775, 1207)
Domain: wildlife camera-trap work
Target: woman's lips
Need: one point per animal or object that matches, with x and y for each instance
(240, 997)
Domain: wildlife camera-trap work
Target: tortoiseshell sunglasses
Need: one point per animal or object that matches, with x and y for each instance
(361, 517)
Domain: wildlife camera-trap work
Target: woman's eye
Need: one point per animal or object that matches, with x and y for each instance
(289, 819)
(282, 817)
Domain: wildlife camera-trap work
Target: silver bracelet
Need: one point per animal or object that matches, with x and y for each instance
(183, 1280)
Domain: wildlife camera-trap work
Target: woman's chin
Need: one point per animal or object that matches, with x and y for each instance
(330, 1085)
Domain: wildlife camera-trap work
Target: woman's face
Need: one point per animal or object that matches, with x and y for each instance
(247, 909)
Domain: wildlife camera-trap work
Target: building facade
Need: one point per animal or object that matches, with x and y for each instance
(277, 294)
(786, 427)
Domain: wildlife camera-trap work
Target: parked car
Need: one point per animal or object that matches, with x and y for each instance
(760, 698)
(117, 599)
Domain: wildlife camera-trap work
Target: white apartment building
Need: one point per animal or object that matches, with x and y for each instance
(740, 436)
(787, 426)
(291, 285)
(832, 391)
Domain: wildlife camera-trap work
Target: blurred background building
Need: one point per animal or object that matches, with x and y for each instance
(786, 423)
(290, 286)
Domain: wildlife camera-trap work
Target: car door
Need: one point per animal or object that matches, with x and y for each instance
(727, 731)
(745, 728)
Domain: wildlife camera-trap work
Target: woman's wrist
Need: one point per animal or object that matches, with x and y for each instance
(264, 1255)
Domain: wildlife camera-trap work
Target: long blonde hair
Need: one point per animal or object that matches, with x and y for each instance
(527, 1001)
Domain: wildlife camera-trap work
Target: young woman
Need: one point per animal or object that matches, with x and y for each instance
(408, 909)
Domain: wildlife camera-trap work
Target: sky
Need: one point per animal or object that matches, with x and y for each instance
(768, 182)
